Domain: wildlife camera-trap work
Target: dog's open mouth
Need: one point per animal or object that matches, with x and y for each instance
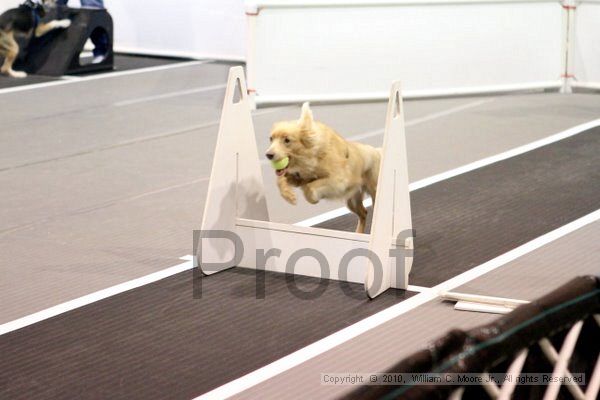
(281, 172)
(281, 165)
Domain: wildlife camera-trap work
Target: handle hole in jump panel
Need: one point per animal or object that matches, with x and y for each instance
(238, 95)
(397, 104)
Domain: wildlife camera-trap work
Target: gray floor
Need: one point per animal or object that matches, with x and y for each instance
(377, 350)
(541, 271)
(106, 179)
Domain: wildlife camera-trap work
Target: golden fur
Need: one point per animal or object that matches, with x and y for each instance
(323, 164)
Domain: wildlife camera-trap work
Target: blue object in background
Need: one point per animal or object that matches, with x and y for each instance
(85, 3)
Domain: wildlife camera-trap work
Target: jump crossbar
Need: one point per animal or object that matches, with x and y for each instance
(302, 230)
(309, 230)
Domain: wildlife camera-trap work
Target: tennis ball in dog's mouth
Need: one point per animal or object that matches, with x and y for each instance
(280, 164)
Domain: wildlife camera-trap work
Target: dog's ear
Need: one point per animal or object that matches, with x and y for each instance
(308, 139)
(306, 118)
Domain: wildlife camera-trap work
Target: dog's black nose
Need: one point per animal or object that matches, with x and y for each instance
(270, 156)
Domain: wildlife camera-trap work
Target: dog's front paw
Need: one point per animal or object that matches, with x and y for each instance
(311, 195)
(63, 23)
(15, 74)
(289, 196)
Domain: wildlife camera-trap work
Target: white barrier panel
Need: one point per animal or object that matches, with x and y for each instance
(186, 28)
(349, 50)
(586, 45)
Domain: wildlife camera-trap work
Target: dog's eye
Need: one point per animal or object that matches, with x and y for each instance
(271, 139)
(286, 140)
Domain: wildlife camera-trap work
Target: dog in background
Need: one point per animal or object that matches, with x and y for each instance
(323, 164)
(23, 20)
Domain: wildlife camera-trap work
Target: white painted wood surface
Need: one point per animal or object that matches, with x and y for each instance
(391, 211)
(236, 203)
(482, 307)
(477, 298)
(236, 187)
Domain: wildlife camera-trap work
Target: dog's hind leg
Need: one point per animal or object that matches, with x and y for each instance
(9, 48)
(370, 183)
(371, 189)
(355, 205)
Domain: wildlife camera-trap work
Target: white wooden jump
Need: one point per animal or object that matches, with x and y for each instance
(236, 203)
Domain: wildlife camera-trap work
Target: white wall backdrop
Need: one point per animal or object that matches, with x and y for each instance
(190, 28)
(6, 4)
(586, 44)
(333, 51)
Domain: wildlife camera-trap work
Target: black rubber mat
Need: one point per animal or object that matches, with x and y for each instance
(158, 342)
(123, 62)
(467, 220)
(126, 62)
